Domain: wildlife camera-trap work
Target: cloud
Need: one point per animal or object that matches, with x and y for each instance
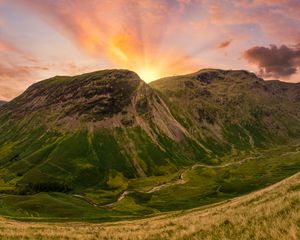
(12, 80)
(129, 34)
(225, 44)
(6, 46)
(274, 61)
(275, 19)
(17, 69)
(16, 77)
(167, 36)
(133, 34)
(8, 92)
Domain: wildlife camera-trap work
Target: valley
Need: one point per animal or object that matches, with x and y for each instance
(182, 180)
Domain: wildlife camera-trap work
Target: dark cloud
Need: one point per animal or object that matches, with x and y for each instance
(224, 44)
(275, 61)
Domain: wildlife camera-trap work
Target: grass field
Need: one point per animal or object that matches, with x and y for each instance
(271, 213)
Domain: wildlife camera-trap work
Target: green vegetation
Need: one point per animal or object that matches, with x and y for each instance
(207, 185)
(105, 146)
(202, 186)
(53, 206)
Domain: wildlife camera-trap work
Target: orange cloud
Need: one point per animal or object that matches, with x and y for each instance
(12, 80)
(19, 69)
(128, 33)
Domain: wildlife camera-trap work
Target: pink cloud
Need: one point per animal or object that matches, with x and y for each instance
(274, 22)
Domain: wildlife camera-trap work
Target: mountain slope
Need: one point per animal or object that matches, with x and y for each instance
(99, 129)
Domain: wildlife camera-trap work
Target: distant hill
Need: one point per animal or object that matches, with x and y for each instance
(99, 129)
(2, 102)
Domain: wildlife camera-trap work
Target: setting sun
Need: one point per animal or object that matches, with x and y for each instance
(148, 74)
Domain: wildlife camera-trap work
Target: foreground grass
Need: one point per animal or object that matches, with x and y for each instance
(271, 213)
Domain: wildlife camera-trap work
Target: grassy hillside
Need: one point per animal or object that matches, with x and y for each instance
(271, 213)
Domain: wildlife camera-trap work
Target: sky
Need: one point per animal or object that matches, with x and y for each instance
(155, 38)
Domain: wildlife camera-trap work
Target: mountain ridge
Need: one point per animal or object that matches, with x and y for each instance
(110, 124)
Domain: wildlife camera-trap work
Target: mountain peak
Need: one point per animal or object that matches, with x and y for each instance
(208, 75)
(103, 99)
(111, 74)
(102, 92)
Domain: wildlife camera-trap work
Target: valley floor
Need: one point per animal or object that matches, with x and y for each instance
(270, 213)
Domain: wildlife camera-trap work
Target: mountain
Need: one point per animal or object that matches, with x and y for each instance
(2, 102)
(83, 130)
(97, 130)
(233, 110)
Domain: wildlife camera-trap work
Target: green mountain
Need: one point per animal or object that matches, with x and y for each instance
(81, 131)
(99, 130)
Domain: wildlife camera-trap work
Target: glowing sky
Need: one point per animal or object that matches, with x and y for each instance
(155, 38)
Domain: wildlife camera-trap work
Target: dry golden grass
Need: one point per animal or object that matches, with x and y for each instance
(271, 213)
